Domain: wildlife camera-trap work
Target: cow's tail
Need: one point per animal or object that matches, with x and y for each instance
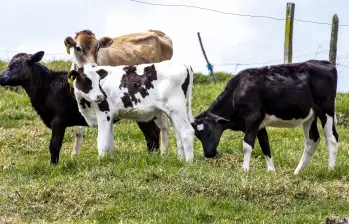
(335, 94)
(335, 115)
(189, 92)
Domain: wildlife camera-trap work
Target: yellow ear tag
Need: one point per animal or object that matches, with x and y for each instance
(68, 48)
(70, 81)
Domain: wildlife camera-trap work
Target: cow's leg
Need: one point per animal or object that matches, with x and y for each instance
(179, 143)
(56, 140)
(105, 141)
(186, 133)
(331, 137)
(327, 117)
(162, 122)
(252, 123)
(151, 133)
(264, 143)
(311, 141)
(79, 134)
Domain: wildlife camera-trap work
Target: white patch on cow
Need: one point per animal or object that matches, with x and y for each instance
(247, 149)
(200, 127)
(309, 150)
(88, 113)
(105, 139)
(273, 121)
(331, 142)
(139, 71)
(309, 147)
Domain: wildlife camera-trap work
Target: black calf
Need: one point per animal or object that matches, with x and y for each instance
(285, 95)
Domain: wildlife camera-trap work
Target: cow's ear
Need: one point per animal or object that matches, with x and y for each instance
(105, 42)
(69, 42)
(71, 76)
(102, 73)
(221, 120)
(218, 119)
(36, 57)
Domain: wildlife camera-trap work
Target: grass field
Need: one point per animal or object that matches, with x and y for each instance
(139, 187)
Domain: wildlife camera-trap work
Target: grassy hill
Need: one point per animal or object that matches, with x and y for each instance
(139, 187)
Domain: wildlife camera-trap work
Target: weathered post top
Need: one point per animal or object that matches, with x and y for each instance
(334, 38)
(288, 32)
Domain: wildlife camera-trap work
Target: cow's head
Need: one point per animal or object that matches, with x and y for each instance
(19, 69)
(208, 129)
(86, 47)
(86, 83)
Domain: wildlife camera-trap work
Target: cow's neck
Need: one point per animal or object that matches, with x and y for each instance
(102, 58)
(41, 81)
(38, 81)
(223, 105)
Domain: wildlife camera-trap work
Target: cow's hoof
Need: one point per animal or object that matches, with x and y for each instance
(271, 170)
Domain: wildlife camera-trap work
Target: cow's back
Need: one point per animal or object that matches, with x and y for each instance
(132, 89)
(137, 48)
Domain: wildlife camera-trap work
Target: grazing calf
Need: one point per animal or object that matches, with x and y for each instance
(137, 93)
(50, 95)
(285, 95)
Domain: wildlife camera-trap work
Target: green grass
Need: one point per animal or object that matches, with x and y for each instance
(139, 187)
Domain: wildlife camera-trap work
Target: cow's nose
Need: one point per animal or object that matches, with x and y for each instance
(210, 154)
(100, 98)
(92, 64)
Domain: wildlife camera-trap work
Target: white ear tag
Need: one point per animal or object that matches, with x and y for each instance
(200, 127)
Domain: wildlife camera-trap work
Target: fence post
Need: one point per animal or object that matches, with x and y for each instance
(209, 65)
(288, 32)
(334, 38)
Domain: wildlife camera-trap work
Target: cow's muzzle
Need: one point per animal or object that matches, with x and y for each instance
(99, 98)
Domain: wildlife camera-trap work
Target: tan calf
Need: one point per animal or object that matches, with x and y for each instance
(131, 49)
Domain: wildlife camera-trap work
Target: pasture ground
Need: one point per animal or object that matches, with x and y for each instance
(139, 187)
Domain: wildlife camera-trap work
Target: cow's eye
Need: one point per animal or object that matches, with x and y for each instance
(78, 49)
(15, 66)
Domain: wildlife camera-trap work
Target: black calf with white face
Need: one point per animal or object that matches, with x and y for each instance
(286, 95)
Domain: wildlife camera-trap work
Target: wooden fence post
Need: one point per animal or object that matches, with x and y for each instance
(288, 32)
(334, 38)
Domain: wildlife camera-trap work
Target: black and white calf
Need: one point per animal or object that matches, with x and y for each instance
(285, 95)
(138, 93)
